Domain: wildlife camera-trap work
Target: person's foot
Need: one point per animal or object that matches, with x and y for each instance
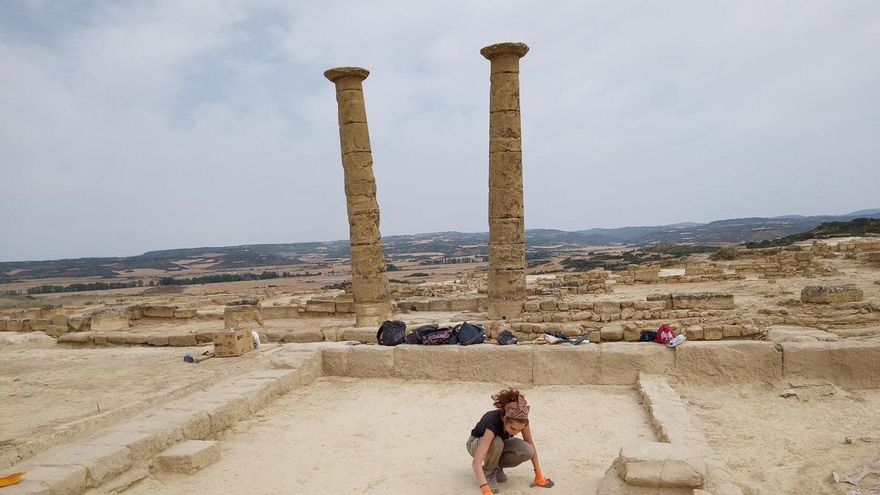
(500, 476)
(492, 480)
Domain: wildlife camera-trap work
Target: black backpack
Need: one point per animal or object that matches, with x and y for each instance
(506, 337)
(468, 334)
(432, 334)
(391, 332)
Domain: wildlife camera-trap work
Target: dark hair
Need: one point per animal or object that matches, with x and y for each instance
(505, 396)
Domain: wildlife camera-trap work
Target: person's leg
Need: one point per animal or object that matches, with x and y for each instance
(515, 452)
(490, 462)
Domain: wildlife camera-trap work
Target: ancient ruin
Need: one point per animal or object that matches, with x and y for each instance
(369, 278)
(507, 283)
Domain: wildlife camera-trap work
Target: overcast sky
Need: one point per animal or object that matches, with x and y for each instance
(133, 126)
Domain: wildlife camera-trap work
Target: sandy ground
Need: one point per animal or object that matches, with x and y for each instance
(54, 394)
(344, 435)
(787, 445)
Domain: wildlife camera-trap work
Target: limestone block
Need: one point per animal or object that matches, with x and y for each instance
(647, 275)
(153, 340)
(507, 256)
(183, 414)
(335, 360)
(419, 362)
(507, 205)
(530, 306)
(854, 365)
(439, 305)
(351, 107)
(55, 330)
(372, 315)
(136, 339)
(505, 310)
(703, 300)
(606, 307)
(729, 331)
(827, 294)
(496, 363)
(621, 362)
(354, 138)
(14, 326)
(242, 316)
(183, 340)
(612, 332)
(142, 444)
(506, 230)
(27, 487)
(304, 335)
(728, 362)
(156, 311)
(613, 484)
(79, 323)
(117, 338)
(370, 361)
(507, 285)
(3, 325)
(59, 320)
(100, 461)
(566, 365)
(662, 465)
(715, 332)
(109, 320)
(317, 306)
(76, 338)
(185, 313)
(189, 456)
(469, 304)
(503, 92)
(345, 306)
(694, 332)
(61, 480)
(548, 305)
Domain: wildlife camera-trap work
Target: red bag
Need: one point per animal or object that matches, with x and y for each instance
(664, 334)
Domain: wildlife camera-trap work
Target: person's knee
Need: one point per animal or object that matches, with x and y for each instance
(527, 451)
(497, 446)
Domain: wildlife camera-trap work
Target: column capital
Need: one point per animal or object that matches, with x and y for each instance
(508, 48)
(337, 73)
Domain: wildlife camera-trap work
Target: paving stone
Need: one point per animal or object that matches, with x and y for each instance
(189, 457)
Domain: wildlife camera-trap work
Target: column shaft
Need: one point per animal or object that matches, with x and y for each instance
(507, 283)
(369, 277)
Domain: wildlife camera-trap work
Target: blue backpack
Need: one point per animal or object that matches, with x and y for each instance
(468, 333)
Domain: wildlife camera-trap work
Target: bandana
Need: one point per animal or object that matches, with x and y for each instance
(517, 410)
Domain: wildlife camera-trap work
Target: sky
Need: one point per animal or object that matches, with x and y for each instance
(130, 126)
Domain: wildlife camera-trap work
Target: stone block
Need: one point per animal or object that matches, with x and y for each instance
(530, 306)
(110, 320)
(359, 334)
(442, 362)
(79, 323)
(606, 307)
(828, 294)
(76, 338)
(853, 365)
(136, 339)
(731, 331)
(155, 340)
(100, 461)
(365, 361)
(661, 465)
(157, 311)
(703, 300)
(183, 340)
(497, 363)
(715, 332)
(185, 313)
(612, 332)
(189, 456)
(61, 480)
(694, 332)
(372, 315)
(566, 365)
(303, 335)
(621, 362)
(728, 362)
(316, 306)
(334, 360)
(345, 306)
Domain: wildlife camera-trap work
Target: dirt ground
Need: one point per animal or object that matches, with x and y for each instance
(56, 394)
(344, 435)
(789, 445)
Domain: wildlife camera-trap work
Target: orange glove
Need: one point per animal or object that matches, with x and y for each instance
(541, 481)
(485, 488)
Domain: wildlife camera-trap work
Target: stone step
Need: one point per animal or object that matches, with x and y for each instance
(189, 457)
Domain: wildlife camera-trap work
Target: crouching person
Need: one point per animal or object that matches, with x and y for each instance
(494, 446)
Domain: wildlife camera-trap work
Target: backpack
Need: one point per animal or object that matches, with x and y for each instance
(664, 334)
(506, 337)
(440, 336)
(391, 332)
(468, 334)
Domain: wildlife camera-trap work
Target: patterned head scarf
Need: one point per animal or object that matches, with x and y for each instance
(518, 410)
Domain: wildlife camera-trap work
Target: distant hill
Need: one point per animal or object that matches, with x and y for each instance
(417, 246)
(857, 227)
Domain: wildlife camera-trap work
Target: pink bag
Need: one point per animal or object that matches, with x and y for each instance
(664, 334)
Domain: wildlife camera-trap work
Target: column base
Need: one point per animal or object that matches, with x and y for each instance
(372, 314)
(505, 310)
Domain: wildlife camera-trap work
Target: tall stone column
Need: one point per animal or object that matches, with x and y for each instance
(369, 276)
(507, 261)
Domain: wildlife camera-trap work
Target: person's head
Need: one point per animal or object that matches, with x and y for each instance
(514, 408)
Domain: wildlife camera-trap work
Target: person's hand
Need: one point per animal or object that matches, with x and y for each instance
(485, 489)
(541, 481)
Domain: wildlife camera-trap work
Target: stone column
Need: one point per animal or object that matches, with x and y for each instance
(507, 261)
(369, 276)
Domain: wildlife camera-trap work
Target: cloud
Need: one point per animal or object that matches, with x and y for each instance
(149, 125)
